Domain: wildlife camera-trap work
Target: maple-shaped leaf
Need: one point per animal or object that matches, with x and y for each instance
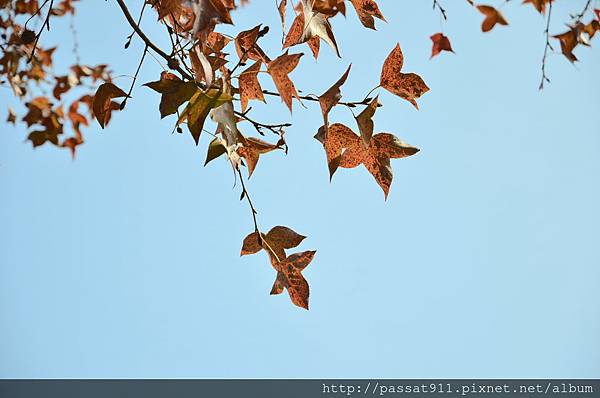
(492, 17)
(289, 268)
(250, 86)
(409, 86)
(198, 108)
(289, 276)
(335, 139)
(279, 69)
(367, 10)
(375, 156)
(568, 41)
(333, 95)
(103, 104)
(317, 25)
(440, 43)
(251, 150)
(540, 5)
(246, 45)
(295, 36)
(174, 92)
(277, 240)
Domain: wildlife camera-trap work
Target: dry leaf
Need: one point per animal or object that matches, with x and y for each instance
(409, 86)
(279, 69)
(103, 105)
(440, 43)
(492, 17)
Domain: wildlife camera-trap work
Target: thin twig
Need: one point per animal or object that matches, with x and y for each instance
(172, 63)
(45, 24)
(436, 4)
(546, 47)
(247, 196)
(137, 71)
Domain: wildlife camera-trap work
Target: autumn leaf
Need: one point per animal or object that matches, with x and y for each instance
(317, 25)
(333, 95)
(540, 5)
(246, 45)
(330, 7)
(375, 156)
(492, 17)
(289, 268)
(12, 116)
(201, 65)
(215, 149)
(568, 41)
(440, 43)
(103, 105)
(279, 69)
(281, 8)
(251, 150)
(174, 92)
(335, 139)
(365, 121)
(366, 10)
(294, 37)
(198, 109)
(250, 86)
(409, 86)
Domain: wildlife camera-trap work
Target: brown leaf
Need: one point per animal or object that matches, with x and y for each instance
(492, 17)
(103, 105)
(246, 45)
(289, 268)
(409, 86)
(440, 43)
(252, 149)
(334, 139)
(274, 242)
(365, 121)
(375, 156)
(250, 86)
(568, 41)
(366, 10)
(215, 149)
(540, 5)
(281, 8)
(12, 116)
(333, 95)
(279, 69)
(174, 92)
(198, 109)
(290, 276)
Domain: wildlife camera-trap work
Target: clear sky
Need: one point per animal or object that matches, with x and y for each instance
(483, 262)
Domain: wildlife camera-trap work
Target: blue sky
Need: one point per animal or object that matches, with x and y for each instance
(483, 262)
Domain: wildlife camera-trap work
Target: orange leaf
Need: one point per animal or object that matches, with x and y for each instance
(250, 86)
(331, 97)
(366, 10)
(440, 43)
(103, 105)
(409, 86)
(279, 69)
(492, 17)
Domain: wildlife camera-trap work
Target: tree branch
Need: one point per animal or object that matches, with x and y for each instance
(172, 63)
